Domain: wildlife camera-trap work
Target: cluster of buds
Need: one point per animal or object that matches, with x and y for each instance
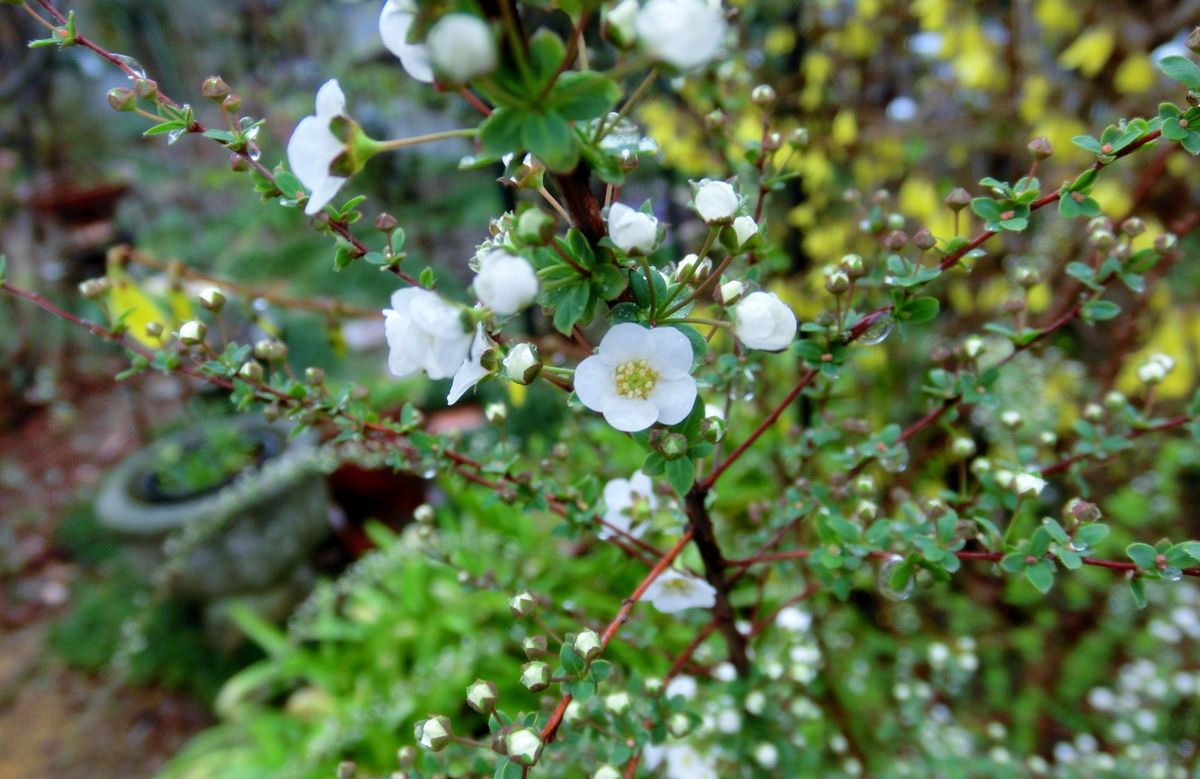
(1155, 369)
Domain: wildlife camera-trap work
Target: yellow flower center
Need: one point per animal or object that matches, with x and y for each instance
(636, 379)
(678, 586)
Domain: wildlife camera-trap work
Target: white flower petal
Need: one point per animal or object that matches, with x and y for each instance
(672, 352)
(471, 371)
(394, 24)
(311, 149)
(322, 193)
(594, 383)
(629, 415)
(674, 399)
(396, 328)
(626, 341)
(617, 496)
(331, 101)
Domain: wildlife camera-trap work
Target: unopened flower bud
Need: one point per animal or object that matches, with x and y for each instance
(895, 240)
(346, 770)
(145, 89)
(524, 746)
(314, 377)
(772, 142)
(1166, 243)
(522, 363)
(482, 696)
(425, 514)
(587, 644)
(1102, 239)
(1047, 438)
(122, 99)
(672, 446)
(386, 223)
(714, 119)
(1193, 40)
(94, 288)
(958, 199)
(837, 281)
(1014, 305)
(896, 222)
(679, 724)
(522, 605)
(1093, 412)
(212, 299)
(693, 270)
(1081, 511)
(238, 162)
(853, 265)
(973, 347)
(535, 646)
(745, 233)
(496, 412)
(433, 734)
(232, 104)
(192, 332)
(1040, 147)
(798, 138)
(406, 757)
(270, 349)
(1115, 400)
(1011, 419)
(713, 429)
(535, 227)
(1133, 226)
(962, 448)
(1155, 369)
(618, 703)
(763, 95)
(864, 486)
(866, 510)
(214, 88)
(729, 292)
(653, 685)
(154, 329)
(923, 239)
(251, 371)
(1027, 277)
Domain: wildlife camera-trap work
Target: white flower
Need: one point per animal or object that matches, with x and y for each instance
(522, 363)
(686, 34)
(793, 619)
(394, 23)
(639, 376)
(729, 720)
(745, 228)
(472, 370)
(606, 772)
(767, 755)
(763, 321)
(461, 47)
(716, 201)
(620, 496)
(1028, 484)
(313, 147)
(631, 231)
(683, 762)
(674, 591)
(425, 333)
(506, 283)
(684, 686)
(724, 672)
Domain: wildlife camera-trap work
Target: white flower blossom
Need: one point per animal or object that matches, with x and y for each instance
(724, 672)
(767, 755)
(683, 762)
(506, 283)
(685, 34)
(472, 370)
(793, 619)
(683, 685)
(461, 47)
(313, 147)
(673, 591)
(716, 201)
(620, 497)
(425, 333)
(394, 23)
(638, 377)
(763, 321)
(632, 231)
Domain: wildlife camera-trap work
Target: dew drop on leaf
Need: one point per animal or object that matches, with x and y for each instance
(884, 580)
(877, 332)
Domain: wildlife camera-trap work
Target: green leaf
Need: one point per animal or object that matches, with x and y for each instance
(1041, 575)
(549, 137)
(1013, 562)
(570, 302)
(1087, 142)
(546, 54)
(1143, 555)
(1192, 548)
(680, 474)
(500, 133)
(572, 661)
(1138, 590)
(1090, 535)
(987, 209)
(601, 670)
(919, 310)
(584, 95)
(1099, 310)
(1181, 69)
(1039, 544)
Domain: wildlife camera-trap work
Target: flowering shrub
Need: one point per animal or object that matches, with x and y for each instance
(741, 460)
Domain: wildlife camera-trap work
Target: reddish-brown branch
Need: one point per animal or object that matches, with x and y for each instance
(1067, 462)
(620, 619)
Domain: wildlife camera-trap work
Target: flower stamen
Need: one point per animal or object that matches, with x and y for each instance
(636, 379)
